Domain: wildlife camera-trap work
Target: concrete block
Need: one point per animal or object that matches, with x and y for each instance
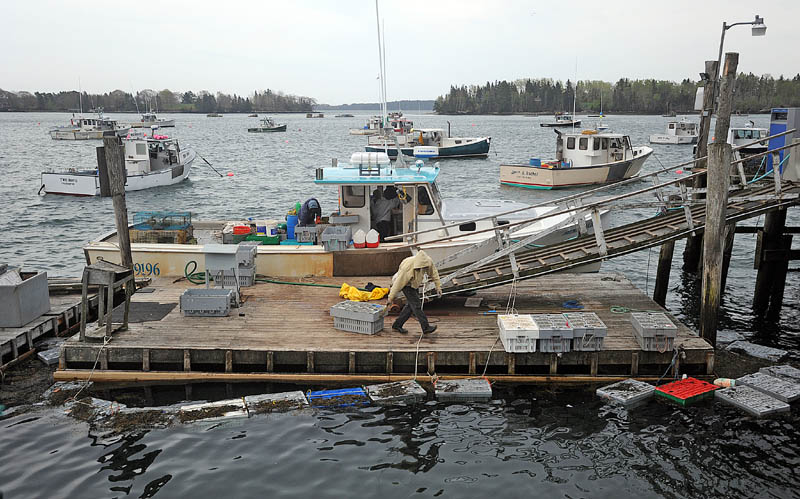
(464, 390)
(408, 392)
(785, 372)
(751, 401)
(628, 392)
(783, 390)
(758, 351)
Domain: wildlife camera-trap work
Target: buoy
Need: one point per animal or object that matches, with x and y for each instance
(679, 172)
(725, 382)
(287, 141)
(230, 174)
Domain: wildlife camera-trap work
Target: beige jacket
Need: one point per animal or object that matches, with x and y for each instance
(412, 272)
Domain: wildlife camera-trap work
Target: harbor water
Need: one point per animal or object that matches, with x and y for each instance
(535, 442)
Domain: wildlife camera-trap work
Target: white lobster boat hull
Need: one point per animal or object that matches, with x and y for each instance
(87, 182)
(74, 134)
(661, 138)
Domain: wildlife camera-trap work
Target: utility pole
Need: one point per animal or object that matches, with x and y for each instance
(115, 163)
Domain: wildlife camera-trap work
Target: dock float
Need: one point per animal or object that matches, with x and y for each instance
(285, 334)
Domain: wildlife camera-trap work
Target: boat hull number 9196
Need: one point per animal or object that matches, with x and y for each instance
(146, 269)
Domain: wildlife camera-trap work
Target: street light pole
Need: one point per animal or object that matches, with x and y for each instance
(759, 29)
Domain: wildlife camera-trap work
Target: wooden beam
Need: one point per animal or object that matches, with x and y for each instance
(228, 361)
(593, 362)
(511, 362)
(187, 360)
(634, 364)
(431, 362)
(310, 361)
(145, 359)
(472, 364)
(177, 376)
(270, 361)
(389, 362)
(553, 363)
(351, 362)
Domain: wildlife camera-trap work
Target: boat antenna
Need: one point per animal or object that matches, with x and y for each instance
(383, 42)
(380, 63)
(574, 93)
(134, 99)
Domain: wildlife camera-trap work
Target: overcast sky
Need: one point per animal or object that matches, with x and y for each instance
(328, 49)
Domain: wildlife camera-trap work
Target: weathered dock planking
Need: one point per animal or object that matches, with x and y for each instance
(285, 332)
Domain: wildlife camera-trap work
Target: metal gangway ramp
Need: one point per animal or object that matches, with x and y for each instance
(681, 212)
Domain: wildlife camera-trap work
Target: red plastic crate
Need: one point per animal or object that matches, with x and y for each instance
(686, 391)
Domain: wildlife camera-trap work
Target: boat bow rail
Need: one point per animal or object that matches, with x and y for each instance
(680, 211)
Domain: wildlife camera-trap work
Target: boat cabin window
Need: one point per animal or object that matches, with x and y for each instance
(672, 126)
(570, 142)
(467, 227)
(424, 205)
(604, 143)
(141, 149)
(353, 196)
(583, 144)
(596, 143)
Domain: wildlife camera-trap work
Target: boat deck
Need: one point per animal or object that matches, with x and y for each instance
(286, 331)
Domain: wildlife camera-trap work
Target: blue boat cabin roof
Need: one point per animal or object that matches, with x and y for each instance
(353, 175)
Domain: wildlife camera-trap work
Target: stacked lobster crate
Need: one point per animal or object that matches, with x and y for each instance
(551, 333)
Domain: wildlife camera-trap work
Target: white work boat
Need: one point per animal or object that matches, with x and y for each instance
(149, 162)
(150, 120)
(82, 128)
(740, 136)
(434, 142)
(582, 158)
(357, 182)
(677, 132)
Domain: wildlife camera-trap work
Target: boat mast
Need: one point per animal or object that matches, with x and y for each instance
(574, 94)
(380, 64)
(385, 94)
(80, 96)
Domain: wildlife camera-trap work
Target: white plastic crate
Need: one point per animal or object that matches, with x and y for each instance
(358, 310)
(357, 326)
(654, 343)
(463, 390)
(653, 324)
(553, 326)
(587, 344)
(246, 253)
(518, 344)
(554, 345)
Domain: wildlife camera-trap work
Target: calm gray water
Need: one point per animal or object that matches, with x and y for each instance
(531, 442)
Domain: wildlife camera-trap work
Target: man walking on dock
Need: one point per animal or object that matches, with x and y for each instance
(409, 277)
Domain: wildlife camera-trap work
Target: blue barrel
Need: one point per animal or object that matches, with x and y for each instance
(291, 222)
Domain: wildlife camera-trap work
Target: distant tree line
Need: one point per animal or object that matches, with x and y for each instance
(402, 105)
(267, 101)
(544, 95)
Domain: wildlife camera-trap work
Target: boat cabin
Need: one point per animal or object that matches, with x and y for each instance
(401, 125)
(147, 154)
(590, 148)
(563, 118)
(682, 128)
(94, 124)
(364, 180)
(739, 136)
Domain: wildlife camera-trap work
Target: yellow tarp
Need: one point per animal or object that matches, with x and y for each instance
(352, 293)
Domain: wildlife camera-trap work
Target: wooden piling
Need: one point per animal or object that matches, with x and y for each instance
(694, 247)
(770, 271)
(662, 274)
(719, 167)
(117, 175)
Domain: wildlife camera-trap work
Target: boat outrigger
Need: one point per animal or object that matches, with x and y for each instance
(358, 182)
(149, 162)
(81, 128)
(268, 125)
(584, 158)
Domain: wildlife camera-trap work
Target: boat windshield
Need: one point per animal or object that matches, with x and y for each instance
(747, 134)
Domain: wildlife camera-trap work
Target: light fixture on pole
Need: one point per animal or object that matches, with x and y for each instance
(758, 29)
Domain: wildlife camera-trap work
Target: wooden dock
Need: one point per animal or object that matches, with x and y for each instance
(285, 332)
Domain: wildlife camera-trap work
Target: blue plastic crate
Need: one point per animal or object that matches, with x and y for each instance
(333, 398)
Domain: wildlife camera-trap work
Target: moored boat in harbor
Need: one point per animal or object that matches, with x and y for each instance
(358, 184)
(151, 119)
(677, 132)
(562, 120)
(434, 141)
(268, 125)
(149, 162)
(582, 158)
(82, 128)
